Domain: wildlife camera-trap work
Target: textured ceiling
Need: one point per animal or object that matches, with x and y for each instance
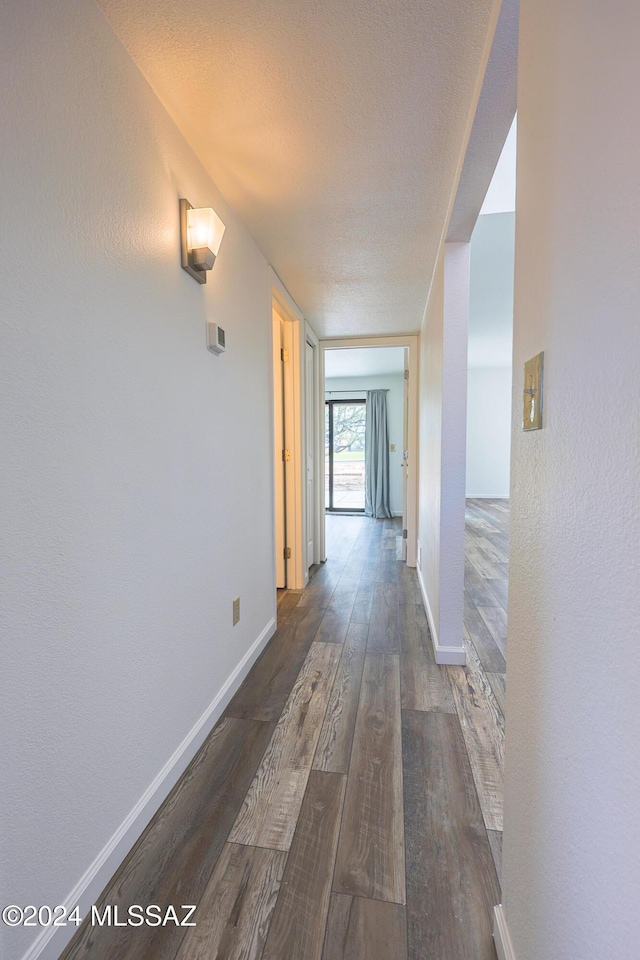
(333, 127)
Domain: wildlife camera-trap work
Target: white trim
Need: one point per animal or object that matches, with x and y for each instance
(288, 309)
(293, 342)
(283, 297)
(299, 331)
(504, 947)
(317, 438)
(52, 941)
(454, 656)
(322, 538)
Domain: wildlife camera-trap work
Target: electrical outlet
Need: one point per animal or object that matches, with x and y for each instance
(236, 610)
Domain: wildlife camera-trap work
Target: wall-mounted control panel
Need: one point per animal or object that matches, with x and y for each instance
(216, 339)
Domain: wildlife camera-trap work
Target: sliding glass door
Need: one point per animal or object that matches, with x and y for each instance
(344, 455)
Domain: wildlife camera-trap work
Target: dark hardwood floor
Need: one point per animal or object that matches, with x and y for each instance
(348, 806)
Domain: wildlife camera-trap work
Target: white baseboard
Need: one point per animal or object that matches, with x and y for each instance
(455, 656)
(451, 656)
(504, 949)
(52, 941)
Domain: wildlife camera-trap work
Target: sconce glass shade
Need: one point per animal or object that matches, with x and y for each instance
(202, 231)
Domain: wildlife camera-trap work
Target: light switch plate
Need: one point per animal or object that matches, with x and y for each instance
(236, 610)
(216, 339)
(532, 395)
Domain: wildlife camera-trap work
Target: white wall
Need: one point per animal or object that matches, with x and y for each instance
(490, 353)
(394, 383)
(443, 405)
(488, 431)
(491, 291)
(501, 195)
(571, 873)
(129, 507)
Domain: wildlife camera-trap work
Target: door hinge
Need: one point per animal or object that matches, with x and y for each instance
(286, 455)
(284, 354)
(406, 375)
(404, 534)
(287, 553)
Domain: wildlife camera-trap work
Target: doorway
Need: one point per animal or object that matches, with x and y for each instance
(297, 438)
(345, 424)
(353, 368)
(489, 423)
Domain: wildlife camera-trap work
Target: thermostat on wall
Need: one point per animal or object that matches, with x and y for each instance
(215, 338)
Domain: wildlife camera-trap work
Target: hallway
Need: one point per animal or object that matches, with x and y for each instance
(347, 805)
(352, 165)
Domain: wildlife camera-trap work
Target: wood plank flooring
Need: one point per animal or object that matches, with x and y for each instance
(424, 685)
(299, 922)
(479, 689)
(269, 814)
(448, 851)
(360, 929)
(370, 859)
(336, 737)
(237, 905)
(348, 805)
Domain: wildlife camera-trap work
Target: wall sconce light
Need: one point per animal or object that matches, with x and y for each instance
(201, 232)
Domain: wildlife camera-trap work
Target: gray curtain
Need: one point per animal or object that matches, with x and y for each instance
(376, 456)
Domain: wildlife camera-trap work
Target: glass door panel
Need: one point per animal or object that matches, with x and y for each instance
(344, 455)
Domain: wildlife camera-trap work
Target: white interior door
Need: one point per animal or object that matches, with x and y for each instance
(310, 434)
(278, 402)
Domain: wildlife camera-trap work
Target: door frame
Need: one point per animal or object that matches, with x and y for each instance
(298, 333)
(280, 513)
(405, 444)
(315, 437)
(410, 341)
